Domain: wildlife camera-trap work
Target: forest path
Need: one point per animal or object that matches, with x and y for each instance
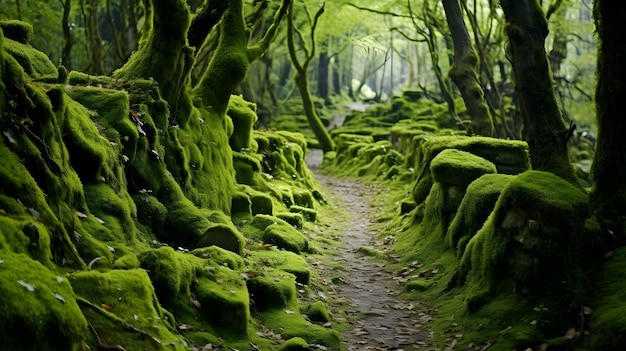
(366, 290)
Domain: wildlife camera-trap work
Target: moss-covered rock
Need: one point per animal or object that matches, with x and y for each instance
(455, 167)
(532, 240)
(295, 344)
(309, 214)
(285, 261)
(479, 200)
(122, 308)
(317, 312)
(221, 256)
(272, 290)
(38, 309)
(285, 237)
(223, 300)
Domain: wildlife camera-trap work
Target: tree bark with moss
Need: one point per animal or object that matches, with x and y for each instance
(608, 194)
(464, 71)
(302, 79)
(544, 128)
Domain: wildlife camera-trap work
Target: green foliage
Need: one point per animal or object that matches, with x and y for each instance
(39, 310)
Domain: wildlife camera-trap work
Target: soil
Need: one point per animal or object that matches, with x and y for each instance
(366, 290)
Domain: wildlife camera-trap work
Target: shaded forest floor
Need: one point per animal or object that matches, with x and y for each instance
(364, 293)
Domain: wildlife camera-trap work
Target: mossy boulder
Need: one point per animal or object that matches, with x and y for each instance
(294, 344)
(295, 219)
(286, 237)
(456, 167)
(38, 309)
(221, 256)
(243, 115)
(171, 274)
(308, 213)
(479, 200)
(121, 306)
(532, 241)
(285, 261)
(272, 290)
(223, 300)
(317, 312)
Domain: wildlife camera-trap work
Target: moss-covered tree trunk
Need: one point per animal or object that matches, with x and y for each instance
(608, 195)
(464, 71)
(544, 129)
(95, 41)
(302, 80)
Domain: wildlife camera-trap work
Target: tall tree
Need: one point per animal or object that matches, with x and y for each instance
(464, 71)
(301, 76)
(608, 194)
(544, 129)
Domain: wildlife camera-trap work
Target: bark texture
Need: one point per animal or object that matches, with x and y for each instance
(544, 129)
(608, 196)
(464, 71)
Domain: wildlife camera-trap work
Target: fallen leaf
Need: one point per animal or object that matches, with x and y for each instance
(112, 249)
(28, 287)
(59, 297)
(571, 333)
(289, 312)
(107, 307)
(80, 214)
(60, 279)
(196, 304)
(587, 310)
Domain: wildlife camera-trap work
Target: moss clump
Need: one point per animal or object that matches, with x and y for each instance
(295, 219)
(38, 310)
(171, 273)
(285, 261)
(317, 312)
(286, 237)
(455, 167)
(221, 256)
(272, 290)
(223, 300)
(122, 308)
(479, 200)
(243, 115)
(294, 344)
(531, 241)
(309, 214)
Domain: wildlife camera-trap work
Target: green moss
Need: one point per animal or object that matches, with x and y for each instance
(261, 203)
(417, 285)
(121, 306)
(295, 219)
(38, 307)
(221, 256)
(114, 209)
(272, 290)
(224, 300)
(289, 325)
(171, 273)
(317, 312)
(608, 327)
(457, 167)
(285, 237)
(309, 214)
(285, 261)
(34, 62)
(479, 200)
(128, 261)
(531, 240)
(243, 115)
(294, 344)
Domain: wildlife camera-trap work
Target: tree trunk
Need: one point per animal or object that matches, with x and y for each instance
(66, 53)
(322, 75)
(464, 71)
(544, 129)
(95, 41)
(608, 194)
(302, 79)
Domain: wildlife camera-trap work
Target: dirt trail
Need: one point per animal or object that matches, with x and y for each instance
(367, 288)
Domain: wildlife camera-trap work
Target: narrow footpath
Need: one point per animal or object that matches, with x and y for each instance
(368, 291)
